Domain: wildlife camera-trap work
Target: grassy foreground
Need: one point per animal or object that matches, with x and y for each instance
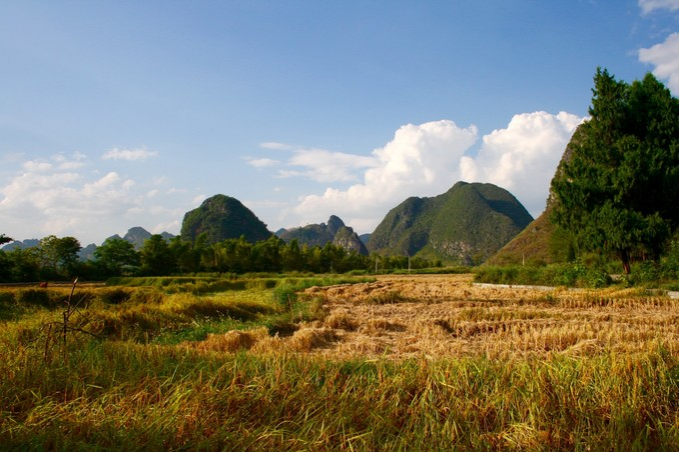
(137, 387)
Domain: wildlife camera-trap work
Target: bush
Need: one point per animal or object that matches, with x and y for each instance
(573, 274)
(669, 264)
(646, 272)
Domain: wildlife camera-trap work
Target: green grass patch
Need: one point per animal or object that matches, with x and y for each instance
(573, 274)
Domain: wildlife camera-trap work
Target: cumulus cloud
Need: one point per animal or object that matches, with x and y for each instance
(522, 158)
(57, 200)
(665, 58)
(428, 159)
(129, 154)
(648, 6)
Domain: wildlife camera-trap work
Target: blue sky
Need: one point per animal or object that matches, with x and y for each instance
(116, 114)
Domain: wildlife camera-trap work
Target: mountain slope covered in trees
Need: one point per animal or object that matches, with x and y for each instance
(223, 217)
(465, 225)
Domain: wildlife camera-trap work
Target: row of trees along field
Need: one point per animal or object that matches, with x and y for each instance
(618, 192)
(57, 258)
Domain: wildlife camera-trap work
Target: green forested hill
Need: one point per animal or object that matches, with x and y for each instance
(223, 217)
(465, 225)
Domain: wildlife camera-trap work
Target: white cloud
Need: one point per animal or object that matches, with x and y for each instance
(128, 154)
(42, 198)
(37, 166)
(72, 165)
(276, 146)
(175, 225)
(322, 165)
(665, 58)
(262, 163)
(198, 199)
(523, 157)
(428, 159)
(648, 6)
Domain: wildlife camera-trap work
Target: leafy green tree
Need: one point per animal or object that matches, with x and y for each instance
(22, 265)
(334, 258)
(185, 256)
(266, 255)
(156, 257)
(619, 190)
(292, 256)
(58, 256)
(4, 239)
(234, 255)
(5, 267)
(117, 257)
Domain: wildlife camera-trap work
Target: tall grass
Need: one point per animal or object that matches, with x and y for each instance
(122, 396)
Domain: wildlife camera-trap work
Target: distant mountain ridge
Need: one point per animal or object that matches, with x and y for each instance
(21, 244)
(465, 225)
(138, 235)
(335, 232)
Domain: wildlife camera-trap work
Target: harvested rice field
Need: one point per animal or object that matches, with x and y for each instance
(447, 316)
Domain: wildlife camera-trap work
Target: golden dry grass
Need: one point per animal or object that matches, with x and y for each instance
(444, 316)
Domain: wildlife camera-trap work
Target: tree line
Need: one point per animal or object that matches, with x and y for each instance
(58, 259)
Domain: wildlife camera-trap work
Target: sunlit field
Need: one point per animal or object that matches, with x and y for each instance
(410, 362)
